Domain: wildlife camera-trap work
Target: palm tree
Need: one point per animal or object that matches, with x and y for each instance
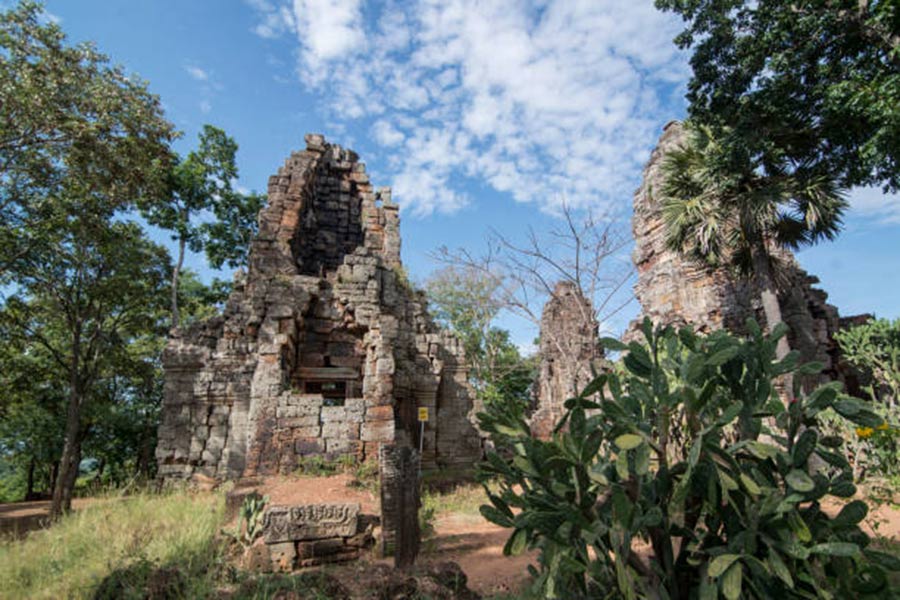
(724, 211)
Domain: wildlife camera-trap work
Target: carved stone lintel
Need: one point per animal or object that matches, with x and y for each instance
(309, 522)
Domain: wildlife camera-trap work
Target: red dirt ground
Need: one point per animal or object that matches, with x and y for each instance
(313, 490)
(477, 546)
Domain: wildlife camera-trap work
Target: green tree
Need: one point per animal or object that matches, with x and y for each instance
(803, 84)
(119, 419)
(740, 217)
(31, 419)
(465, 302)
(236, 222)
(198, 301)
(198, 183)
(80, 142)
(81, 299)
(67, 115)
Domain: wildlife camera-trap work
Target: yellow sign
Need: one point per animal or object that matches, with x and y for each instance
(423, 413)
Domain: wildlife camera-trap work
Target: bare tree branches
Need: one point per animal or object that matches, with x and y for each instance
(583, 251)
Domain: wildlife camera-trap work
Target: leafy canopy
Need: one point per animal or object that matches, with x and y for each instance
(197, 182)
(806, 84)
(69, 118)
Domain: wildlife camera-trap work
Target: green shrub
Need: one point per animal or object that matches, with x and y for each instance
(366, 475)
(689, 449)
(874, 348)
(318, 465)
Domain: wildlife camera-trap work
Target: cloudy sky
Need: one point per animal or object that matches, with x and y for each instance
(479, 114)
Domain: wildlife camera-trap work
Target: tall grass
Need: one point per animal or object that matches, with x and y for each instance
(105, 540)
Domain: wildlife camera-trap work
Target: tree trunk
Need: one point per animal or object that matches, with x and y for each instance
(51, 481)
(71, 454)
(71, 458)
(29, 485)
(145, 456)
(772, 310)
(176, 272)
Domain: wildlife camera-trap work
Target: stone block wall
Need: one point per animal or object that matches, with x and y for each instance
(323, 347)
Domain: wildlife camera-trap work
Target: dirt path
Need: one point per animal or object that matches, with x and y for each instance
(312, 490)
(18, 518)
(477, 546)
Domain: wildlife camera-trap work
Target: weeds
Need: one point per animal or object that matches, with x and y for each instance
(316, 465)
(250, 520)
(462, 499)
(426, 528)
(365, 473)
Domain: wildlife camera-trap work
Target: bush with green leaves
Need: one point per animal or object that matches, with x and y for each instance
(874, 348)
(683, 475)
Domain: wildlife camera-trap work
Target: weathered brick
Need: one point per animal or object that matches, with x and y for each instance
(377, 431)
(306, 446)
(380, 413)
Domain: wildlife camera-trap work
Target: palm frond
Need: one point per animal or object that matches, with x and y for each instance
(717, 206)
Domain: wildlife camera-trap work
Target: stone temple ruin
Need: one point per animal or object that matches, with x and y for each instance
(323, 347)
(673, 289)
(569, 353)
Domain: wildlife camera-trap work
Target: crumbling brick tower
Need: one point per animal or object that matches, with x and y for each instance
(323, 347)
(570, 354)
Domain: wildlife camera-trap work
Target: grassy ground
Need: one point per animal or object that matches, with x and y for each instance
(465, 498)
(114, 542)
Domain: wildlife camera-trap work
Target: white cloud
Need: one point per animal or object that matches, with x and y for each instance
(386, 134)
(196, 72)
(543, 100)
(873, 203)
(205, 106)
(276, 20)
(328, 30)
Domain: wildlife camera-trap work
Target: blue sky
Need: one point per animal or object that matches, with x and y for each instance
(480, 115)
